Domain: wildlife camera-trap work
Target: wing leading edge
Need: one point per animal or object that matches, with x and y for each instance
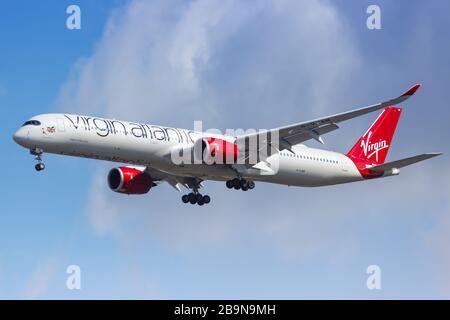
(299, 132)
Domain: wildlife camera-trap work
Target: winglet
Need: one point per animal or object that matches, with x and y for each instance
(411, 90)
(434, 154)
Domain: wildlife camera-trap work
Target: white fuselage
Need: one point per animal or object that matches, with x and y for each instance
(148, 145)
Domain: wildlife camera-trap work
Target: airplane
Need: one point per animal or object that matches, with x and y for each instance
(154, 154)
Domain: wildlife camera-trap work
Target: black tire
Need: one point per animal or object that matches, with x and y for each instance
(251, 185)
(199, 197)
(206, 199)
(243, 183)
(192, 198)
(244, 188)
(39, 166)
(201, 202)
(236, 183)
(229, 184)
(185, 198)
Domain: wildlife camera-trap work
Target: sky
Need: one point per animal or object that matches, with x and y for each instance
(231, 64)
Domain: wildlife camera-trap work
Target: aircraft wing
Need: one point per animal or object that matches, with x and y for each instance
(403, 162)
(299, 132)
(173, 180)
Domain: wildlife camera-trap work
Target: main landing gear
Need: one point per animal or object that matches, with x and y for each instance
(196, 198)
(38, 156)
(242, 184)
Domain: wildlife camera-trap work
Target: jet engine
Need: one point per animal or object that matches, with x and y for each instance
(215, 151)
(129, 180)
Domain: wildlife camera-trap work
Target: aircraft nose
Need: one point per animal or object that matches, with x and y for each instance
(20, 136)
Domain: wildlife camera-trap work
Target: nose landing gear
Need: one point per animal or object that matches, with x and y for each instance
(39, 166)
(37, 152)
(242, 184)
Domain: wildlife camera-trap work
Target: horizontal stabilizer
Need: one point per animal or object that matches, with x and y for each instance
(403, 162)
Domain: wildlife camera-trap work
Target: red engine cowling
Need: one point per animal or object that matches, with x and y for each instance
(215, 151)
(129, 180)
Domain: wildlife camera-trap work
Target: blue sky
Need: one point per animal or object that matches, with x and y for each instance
(233, 65)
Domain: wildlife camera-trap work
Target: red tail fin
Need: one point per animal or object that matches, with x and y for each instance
(373, 146)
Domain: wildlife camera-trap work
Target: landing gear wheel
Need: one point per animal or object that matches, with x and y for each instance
(196, 197)
(40, 166)
(240, 183)
(192, 198)
(37, 153)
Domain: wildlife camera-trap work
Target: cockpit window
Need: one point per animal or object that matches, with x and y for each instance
(32, 122)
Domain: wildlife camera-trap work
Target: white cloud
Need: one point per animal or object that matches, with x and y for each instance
(175, 62)
(232, 63)
(295, 222)
(37, 286)
(228, 63)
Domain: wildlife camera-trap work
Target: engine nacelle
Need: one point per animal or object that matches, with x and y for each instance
(129, 180)
(215, 151)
